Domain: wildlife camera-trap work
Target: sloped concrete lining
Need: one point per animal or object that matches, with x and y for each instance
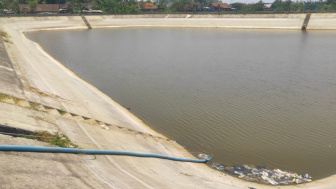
(9, 82)
(320, 21)
(33, 170)
(261, 21)
(67, 115)
(77, 117)
(86, 22)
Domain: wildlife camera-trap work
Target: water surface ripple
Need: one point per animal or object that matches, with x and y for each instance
(259, 97)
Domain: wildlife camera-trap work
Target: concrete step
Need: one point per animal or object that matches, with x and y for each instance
(22, 103)
(58, 112)
(37, 107)
(67, 115)
(89, 121)
(51, 110)
(77, 117)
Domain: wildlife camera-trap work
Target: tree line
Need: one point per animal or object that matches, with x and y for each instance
(131, 6)
(279, 6)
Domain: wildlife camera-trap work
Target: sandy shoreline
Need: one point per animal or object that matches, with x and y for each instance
(40, 71)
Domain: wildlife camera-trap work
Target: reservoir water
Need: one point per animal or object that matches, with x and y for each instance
(256, 97)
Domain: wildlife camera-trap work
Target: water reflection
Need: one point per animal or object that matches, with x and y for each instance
(258, 97)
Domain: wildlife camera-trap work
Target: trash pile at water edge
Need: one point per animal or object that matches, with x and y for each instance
(262, 175)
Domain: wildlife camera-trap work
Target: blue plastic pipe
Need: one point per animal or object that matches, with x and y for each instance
(15, 148)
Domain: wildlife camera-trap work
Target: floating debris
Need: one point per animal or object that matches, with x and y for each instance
(203, 156)
(262, 175)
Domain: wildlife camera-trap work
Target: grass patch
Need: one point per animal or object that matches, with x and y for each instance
(3, 34)
(34, 106)
(53, 138)
(4, 96)
(62, 112)
(4, 37)
(7, 40)
(16, 100)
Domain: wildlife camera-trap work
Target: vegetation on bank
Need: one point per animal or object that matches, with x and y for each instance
(3, 34)
(171, 6)
(53, 138)
(4, 37)
(279, 6)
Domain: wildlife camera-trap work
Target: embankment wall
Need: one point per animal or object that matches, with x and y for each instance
(320, 21)
(250, 21)
(185, 20)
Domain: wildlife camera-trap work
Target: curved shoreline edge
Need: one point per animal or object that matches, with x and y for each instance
(61, 88)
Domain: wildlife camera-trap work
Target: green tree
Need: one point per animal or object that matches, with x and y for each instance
(77, 6)
(112, 6)
(163, 7)
(310, 6)
(161, 3)
(23, 2)
(287, 5)
(50, 1)
(2, 5)
(238, 6)
(32, 6)
(5, 4)
(178, 6)
(258, 6)
(331, 2)
(297, 7)
(60, 1)
(133, 9)
(15, 7)
(330, 7)
(206, 3)
(276, 4)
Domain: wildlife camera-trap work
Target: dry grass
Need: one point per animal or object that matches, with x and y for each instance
(5, 37)
(4, 96)
(34, 106)
(3, 34)
(62, 112)
(7, 40)
(16, 100)
(55, 139)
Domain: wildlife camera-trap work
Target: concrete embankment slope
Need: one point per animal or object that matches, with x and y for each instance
(282, 21)
(322, 21)
(41, 80)
(254, 21)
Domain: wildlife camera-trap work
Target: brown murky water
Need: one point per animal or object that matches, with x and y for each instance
(258, 97)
